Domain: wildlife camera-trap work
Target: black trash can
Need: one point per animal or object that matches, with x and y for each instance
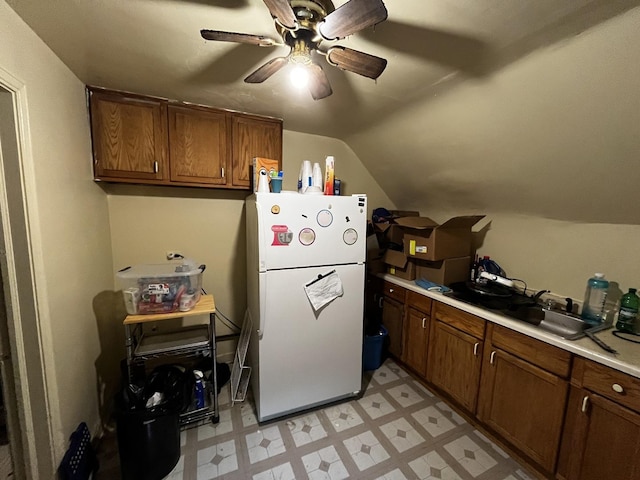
(149, 437)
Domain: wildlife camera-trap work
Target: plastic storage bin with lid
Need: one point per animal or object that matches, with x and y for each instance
(161, 288)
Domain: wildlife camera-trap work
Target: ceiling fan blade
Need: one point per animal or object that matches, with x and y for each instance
(237, 38)
(356, 62)
(318, 82)
(282, 11)
(266, 70)
(352, 17)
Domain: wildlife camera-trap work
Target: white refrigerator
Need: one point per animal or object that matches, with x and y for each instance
(305, 284)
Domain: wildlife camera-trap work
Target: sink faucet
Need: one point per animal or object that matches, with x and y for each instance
(537, 296)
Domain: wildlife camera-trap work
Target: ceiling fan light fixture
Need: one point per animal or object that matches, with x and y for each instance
(300, 53)
(299, 76)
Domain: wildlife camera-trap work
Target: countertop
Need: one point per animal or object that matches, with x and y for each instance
(627, 360)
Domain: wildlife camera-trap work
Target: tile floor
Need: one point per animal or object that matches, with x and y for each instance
(398, 430)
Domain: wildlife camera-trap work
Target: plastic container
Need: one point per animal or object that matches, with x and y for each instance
(594, 299)
(198, 389)
(628, 313)
(372, 350)
(159, 288)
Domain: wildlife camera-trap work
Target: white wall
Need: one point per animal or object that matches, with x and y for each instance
(547, 147)
(209, 225)
(68, 222)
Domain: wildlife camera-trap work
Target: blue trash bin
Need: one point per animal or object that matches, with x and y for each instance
(372, 350)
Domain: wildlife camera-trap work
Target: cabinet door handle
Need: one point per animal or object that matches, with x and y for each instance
(155, 167)
(222, 170)
(475, 349)
(424, 321)
(380, 300)
(493, 356)
(617, 388)
(585, 402)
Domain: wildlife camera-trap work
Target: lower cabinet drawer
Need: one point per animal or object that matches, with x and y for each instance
(612, 384)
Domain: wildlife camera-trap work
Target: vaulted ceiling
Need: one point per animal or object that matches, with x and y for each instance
(417, 147)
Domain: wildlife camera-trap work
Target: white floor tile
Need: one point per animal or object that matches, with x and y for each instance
(376, 405)
(366, 451)
(264, 444)
(401, 434)
(433, 421)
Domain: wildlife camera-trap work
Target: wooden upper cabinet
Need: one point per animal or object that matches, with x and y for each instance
(129, 137)
(252, 137)
(139, 139)
(198, 140)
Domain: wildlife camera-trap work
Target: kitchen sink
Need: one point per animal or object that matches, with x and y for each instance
(564, 325)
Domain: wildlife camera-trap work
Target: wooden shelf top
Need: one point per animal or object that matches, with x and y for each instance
(205, 306)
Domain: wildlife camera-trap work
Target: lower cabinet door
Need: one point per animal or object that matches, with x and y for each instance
(392, 313)
(454, 364)
(416, 340)
(524, 404)
(601, 440)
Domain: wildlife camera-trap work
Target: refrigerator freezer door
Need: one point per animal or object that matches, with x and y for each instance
(307, 230)
(308, 358)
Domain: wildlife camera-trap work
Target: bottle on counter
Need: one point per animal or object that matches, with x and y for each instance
(628, 313)
(594, 299)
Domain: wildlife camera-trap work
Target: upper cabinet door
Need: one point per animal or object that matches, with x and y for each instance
(253, 137)
(129, 135)
(198, 145)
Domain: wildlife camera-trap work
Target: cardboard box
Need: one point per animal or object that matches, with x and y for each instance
(399, 265)
(425, 239)
(388, 234)
(444, 272)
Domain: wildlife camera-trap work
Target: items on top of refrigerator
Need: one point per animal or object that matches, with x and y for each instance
(161, 288)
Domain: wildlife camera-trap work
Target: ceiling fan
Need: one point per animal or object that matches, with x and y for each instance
(303, 25)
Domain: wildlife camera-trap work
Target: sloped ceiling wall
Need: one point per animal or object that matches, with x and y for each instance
(555, 135)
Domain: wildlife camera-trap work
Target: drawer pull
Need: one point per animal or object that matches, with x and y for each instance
(617, 388)
(585, 402)
(424, 321)
(493, 356)
(391, 290)
(475, 349)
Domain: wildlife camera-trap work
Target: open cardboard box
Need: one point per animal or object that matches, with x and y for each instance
(425, 239)
(399, 265)
(444, 272)
(390, 233)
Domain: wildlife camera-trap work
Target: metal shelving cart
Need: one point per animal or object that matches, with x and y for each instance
(198, 339)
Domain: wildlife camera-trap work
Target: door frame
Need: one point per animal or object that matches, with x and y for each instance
(33, 445)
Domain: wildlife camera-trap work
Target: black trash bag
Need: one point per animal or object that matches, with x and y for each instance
(174, 384)
(149, 437)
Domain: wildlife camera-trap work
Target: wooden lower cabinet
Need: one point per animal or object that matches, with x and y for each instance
(601, 438)
(392, 319)
(455, 356)
(520, 400)
(416, 332)
(393, 316)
